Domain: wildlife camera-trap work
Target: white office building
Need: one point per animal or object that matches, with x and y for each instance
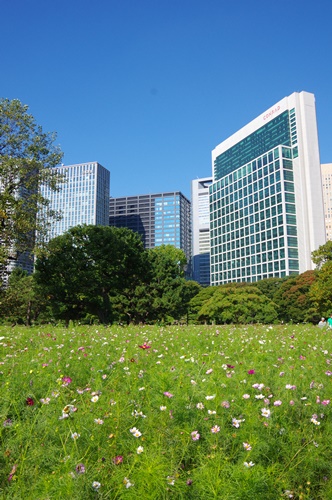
(201, 230)
(326, 169)
(83, 197)
(266, 201)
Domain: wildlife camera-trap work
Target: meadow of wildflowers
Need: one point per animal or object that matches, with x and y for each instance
(166, 412)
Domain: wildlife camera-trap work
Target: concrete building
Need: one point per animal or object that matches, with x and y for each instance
(327, 197)
(161, 219)
(201, 230)
(82, 198)
(266, 202)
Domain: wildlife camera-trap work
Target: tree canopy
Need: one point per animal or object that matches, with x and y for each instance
(27, 156)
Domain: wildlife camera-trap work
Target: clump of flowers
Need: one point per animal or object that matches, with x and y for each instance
(135, 432)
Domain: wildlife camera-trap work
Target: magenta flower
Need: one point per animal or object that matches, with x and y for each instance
(168, 394)
(66, 381)
(118, 459)
(145, 346)
(29, 401)
(251, 372)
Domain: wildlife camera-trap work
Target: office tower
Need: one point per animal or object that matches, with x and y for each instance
(161, 219)
(266, 200)
(201, 230)
(82, 198)
(326, 170)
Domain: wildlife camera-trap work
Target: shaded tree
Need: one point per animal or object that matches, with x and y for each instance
(81, 270)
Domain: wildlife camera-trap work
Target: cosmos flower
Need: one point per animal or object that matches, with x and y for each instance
(163, 408)
(117, 460)
(94, 399)
(139, 450)
(277, 403)
(266, 412)
(200, 406)
(75, 436)
(99, 421)
(215, 429)
(135, 432)
(195, 436)
(29, 401)
(127, 483)
(246, 446)
(96, 485)
(80, 468)
(210, 397)
(145, 346)
(66, 381)
(168, 394)
(248, 464)
(209, 371)
(251, 372)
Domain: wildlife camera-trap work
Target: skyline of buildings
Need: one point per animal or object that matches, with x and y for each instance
(266, 200)
(264, 209)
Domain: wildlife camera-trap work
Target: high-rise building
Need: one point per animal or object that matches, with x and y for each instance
(201, 230)
(82, 198)
(326, 169)
(266, 201)
(160, 219)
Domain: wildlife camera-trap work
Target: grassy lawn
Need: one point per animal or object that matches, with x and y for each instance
(166, 412)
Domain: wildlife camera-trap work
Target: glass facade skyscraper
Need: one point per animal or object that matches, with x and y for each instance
(160, 219)
(82, 198)
(266, 206)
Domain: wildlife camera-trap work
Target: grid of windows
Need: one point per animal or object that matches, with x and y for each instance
(253, 228)
(269, 136)
(161, 219)
(82, 198)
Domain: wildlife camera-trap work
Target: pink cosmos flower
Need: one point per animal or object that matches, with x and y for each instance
(195, 436)
(168, 394)
(215, 429)
(251, 372)
(118, 459)
(66, 381)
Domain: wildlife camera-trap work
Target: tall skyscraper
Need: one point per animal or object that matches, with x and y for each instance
(82, 198)
(326, 169)
(161, 219)
(201, 230)
(266, 200)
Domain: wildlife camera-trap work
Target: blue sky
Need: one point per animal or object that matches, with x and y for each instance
(149, 87)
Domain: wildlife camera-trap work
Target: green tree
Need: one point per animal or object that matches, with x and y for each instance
(238, 304)
(21, 301)
(196, 303)
(293, 299)
(320, 292)
(322, 255)
(85, 267)
(27, 156)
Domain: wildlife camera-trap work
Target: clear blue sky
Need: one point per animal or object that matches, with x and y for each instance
(149, 87)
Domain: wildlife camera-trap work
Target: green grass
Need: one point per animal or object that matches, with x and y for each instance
(112, 379)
